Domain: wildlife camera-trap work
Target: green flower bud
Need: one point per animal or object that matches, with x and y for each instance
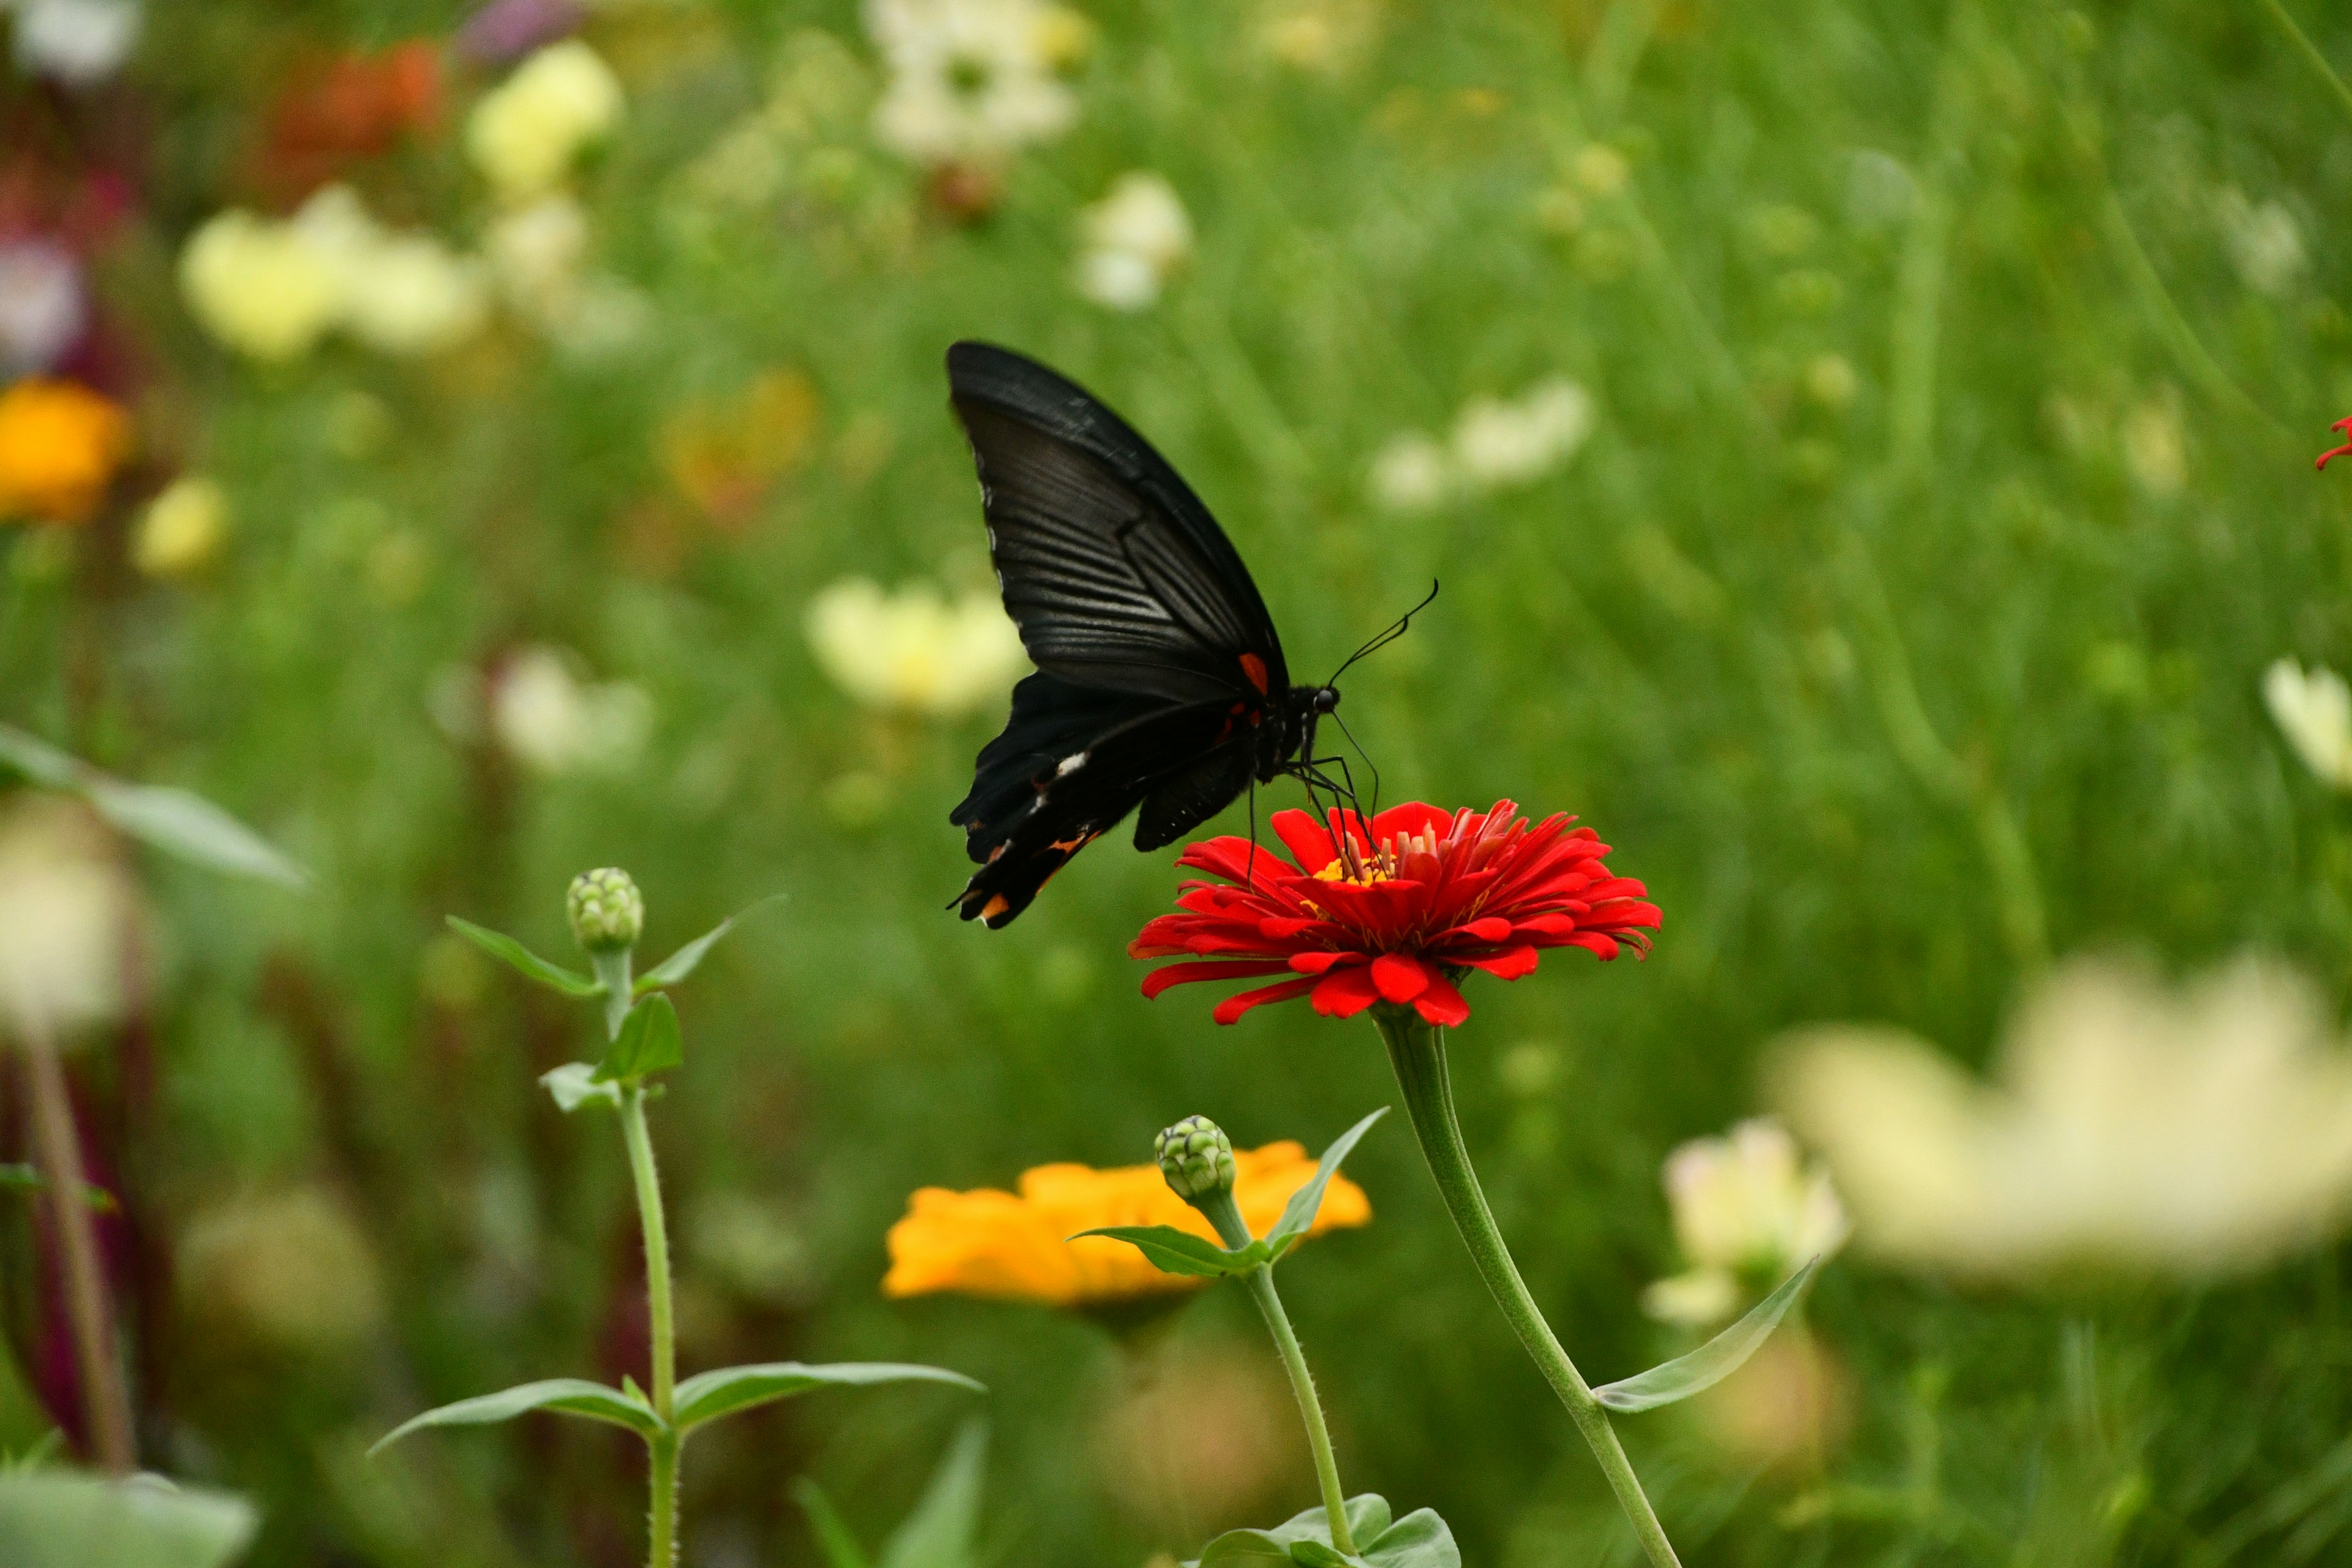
(1197, 1158)
(607, 911)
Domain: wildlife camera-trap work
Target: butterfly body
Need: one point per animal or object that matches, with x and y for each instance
(1161, 686)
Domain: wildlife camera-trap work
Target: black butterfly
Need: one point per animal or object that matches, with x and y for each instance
(1160, 682)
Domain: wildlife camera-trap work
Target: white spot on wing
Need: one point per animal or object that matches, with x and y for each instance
(1070, 764)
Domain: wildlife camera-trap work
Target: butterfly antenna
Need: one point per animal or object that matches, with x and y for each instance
(1386, 635)
(1370, 765)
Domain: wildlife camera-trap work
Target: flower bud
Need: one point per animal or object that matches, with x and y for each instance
(607, 910)
(1197, 1158)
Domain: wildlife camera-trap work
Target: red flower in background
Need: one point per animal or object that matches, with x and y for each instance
(1395, 915)
(2342, 427)
(340, 108)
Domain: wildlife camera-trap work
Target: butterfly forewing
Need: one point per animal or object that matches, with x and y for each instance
(1158, 668)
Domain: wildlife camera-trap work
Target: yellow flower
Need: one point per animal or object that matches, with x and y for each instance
(525, 132)
(259, 285)
(1017, 1247)
(183, 528)
(911, 649)
(60, 445)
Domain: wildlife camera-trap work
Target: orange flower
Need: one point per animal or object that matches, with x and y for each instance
(60, 445)
(995, 1244)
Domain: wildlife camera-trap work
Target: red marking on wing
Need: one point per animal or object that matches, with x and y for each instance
(1254, 668)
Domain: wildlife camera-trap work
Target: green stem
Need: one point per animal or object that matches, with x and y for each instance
(1417, 1052)
(2310, 51)
(661, 1546)
(1226, 1216)
(613, 968)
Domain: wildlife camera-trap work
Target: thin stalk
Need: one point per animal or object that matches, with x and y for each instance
(106, 1404)
(1417, 1052)
(2310, 51)
(661, 1544)
(1225, 1215)
(612, 969)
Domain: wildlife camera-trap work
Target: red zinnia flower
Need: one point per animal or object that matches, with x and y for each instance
(1394, 915)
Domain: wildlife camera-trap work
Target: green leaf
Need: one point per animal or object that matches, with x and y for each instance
(705, 1397)
(831, 1531)
(25, 1179)
(506, 950)
(1419, 1540)
(648, 1042)
(1173, 1251)
(682, 963)
(1298, 1214)
(943, 1532)
(194, 828)
(1242, 1546)
(564, 1396)
(1315, 1554)
(172, 820)
(574, 1084)
(1712, 1361)
(63, 1519)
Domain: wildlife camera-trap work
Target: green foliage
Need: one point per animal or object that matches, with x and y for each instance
(1712, 1361)
(686, 959)
(1175, 1251)
(527, 963)
(1299, 1213)
(173, 820)
(649, 1042)
(58, 1519)
(942, 1530)
(562, 1396)
(708, 1395)
(19, 1178)
(1419, 1540)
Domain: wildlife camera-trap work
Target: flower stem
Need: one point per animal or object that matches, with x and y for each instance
(106, 1404)
(661, 1545)
(1225, 1215)
(1417, 1052)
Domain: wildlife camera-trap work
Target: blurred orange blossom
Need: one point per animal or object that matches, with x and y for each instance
(60, 445)
(1017, 1248)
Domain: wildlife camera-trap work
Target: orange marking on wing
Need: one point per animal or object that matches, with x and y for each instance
(995, 907)
(1254, 668)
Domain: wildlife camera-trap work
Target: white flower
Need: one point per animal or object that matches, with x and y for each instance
(2314, 711)
(70, 911)
(2265, 243)
(912, 649)
(1746, 1211)
(1498, 444)
(969, 78)
(41, 308)
(525, 132)
(183, 529)
(1133, 239)
(258, 286)
(553, 722)
(537, 251)
(77, 42)
(1411, 473)
(2130, 1127)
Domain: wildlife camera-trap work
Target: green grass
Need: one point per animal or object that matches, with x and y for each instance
(1888, 704)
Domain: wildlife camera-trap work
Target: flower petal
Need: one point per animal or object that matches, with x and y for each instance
(1441, 1005)
(1402, 978)
(1161, 979)
(1309, 842)
(1345, 993)
(1233, 1008)
(1508, 964)
(1324, 962)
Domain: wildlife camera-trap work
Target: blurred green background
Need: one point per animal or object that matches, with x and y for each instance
(1954, 372)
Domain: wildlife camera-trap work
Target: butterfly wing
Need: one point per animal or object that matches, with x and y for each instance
(1072, 761)
(1116, 574)
(1157, 661)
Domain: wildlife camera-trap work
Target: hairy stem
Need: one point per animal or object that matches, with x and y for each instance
(661, 1547)
(1417, 1051)
(1226, 1216)
(106, 1404)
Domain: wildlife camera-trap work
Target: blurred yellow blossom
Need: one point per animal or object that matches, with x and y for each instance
(725, 453)
(1747, 1214)
(2130, 1127)
(183, 529)
(1133, 239)
(271, 288)
(1018, 1247)
(525, 132)
(290, 1269)
(551, 720)
(912, 649)
(71, 912)
(969, 78)
(1326, 36)
(60, 444)
(2313, 709)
